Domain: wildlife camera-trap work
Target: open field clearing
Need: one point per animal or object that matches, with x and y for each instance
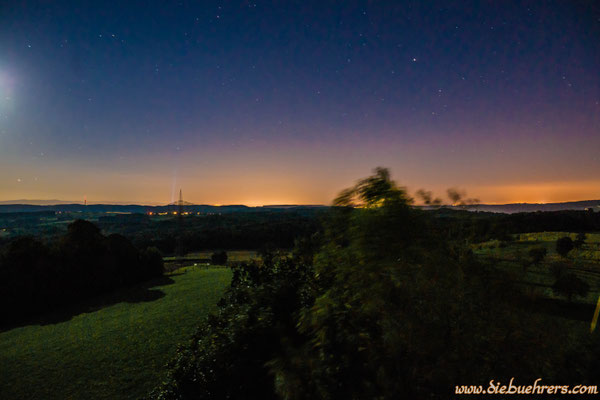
(584, 262)
(117, 348)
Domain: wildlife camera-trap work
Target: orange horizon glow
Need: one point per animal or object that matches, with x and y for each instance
(535, 193)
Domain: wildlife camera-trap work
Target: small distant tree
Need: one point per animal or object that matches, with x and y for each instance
(154, 262)
(218, 258)
(459, 198)
(537, 255)
(454, 195)
(579, 240)
(428, 199)
(564, 245)
(570, 285)
(305, 249)
(267, 253)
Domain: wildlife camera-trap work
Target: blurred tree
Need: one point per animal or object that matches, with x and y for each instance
(398, 311)
(390, 309)
(459, 199)
(427, 198)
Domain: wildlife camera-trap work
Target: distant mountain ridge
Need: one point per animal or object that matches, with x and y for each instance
(55, 202)
(137, 208)
(36, 202)
(533, 207)
(63, 206)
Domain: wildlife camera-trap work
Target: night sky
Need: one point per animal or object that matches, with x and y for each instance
(289, 102)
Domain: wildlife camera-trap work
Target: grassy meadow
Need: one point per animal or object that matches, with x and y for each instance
(232, 255)
(114, 347)
(584, 262)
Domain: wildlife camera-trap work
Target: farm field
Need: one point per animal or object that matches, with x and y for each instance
(232, 255)
(202, 259)
(584, 262)
(114, 350)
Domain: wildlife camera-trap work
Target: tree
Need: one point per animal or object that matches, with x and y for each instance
(428, 199)
(397, 307)
(570, 285)
(458, 198)
(218, 258)
(537, 254)
(153, 262)
(229, 356)
(564, 245)
(579, 240)
(35, 277)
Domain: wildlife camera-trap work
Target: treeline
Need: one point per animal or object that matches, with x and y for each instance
(381, 305)
(36, 277)
(228, 231)
(483, 226)
(279, 229)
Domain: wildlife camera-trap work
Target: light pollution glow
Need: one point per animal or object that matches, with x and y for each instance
(291, 104)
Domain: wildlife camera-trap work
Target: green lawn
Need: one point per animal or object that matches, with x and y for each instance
(117, 349)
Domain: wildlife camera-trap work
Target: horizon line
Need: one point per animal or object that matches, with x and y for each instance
(56, 202)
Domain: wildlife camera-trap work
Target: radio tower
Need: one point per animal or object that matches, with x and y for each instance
(180, 204)
(180, 228)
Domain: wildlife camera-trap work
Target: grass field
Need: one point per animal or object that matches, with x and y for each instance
(115, 350)
(232, 255)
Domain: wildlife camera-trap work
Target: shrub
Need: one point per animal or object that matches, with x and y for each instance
(227, 358)
(218, 258)
(537, 254)
(564, 245)
(570, 285)
(579, 240)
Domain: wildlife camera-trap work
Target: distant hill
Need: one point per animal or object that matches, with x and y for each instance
(62, 206)
(533, 207)
(27, 206)
(36, 202)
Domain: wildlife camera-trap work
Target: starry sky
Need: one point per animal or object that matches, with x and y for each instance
(289, 102)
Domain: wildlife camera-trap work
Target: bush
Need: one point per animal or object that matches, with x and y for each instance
(153, 260)
(537, 254)
(218, 258)
(227, 358)
(570, 285)
(564, 245)
(579, 240)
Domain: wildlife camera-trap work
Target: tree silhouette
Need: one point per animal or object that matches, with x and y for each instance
(459, 198)
(428, 199)
(564, 245)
